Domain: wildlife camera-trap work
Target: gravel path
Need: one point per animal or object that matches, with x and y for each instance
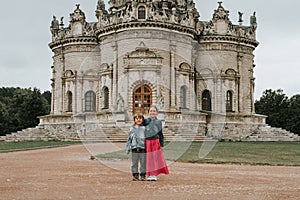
(69, 173)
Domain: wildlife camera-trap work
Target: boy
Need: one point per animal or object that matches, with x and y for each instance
(136, 141)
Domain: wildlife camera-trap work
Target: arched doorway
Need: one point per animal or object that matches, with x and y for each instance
(142, 99)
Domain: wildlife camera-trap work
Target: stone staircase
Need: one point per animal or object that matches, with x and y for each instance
(183, 134)
(267, 133)
(106, 133)
(114, 133)
(29, 134)
(120, 134)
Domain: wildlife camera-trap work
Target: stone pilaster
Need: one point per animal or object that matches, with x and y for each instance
(173, 91)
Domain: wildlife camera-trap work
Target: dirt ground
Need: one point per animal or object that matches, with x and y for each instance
(69, 173)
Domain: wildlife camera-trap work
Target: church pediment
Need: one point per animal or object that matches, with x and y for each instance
(206, 72)
(230, 72)
(69, 74)
(142, 55)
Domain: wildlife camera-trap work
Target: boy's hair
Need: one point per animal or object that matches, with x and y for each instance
(138, 115)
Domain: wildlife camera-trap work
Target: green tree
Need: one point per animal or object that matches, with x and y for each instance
(293, 119)
(275, 105)
(3, 117)
(47, 95)
(19, 108)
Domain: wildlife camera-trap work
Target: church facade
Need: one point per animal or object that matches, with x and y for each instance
(143, 52)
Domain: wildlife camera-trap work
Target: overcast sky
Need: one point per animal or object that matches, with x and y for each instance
(25, 58)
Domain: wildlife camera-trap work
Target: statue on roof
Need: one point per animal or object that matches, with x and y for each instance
(253, 19)
(240, 17)
(54, 27)
(101, 6)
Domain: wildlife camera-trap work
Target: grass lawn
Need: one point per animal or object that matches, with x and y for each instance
(259, 153)
(254, 153)
(14, 146)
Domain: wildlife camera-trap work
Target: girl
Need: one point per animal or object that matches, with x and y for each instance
(155, 161)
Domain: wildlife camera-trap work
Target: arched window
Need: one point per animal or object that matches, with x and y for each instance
(106, 98)
(183, 97)
(141, 12)
(70, 101)
(206, 100)
(228, 101)
(90, 101)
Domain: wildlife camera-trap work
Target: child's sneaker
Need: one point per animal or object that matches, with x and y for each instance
(135, 177)
(152, 178)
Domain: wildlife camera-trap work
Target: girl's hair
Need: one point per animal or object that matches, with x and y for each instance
(153, 106)
(138, 115)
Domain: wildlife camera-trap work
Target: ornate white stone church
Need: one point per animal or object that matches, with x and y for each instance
(143, 52)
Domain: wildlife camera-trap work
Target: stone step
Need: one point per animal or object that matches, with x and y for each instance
(114, 133)
(267, 133)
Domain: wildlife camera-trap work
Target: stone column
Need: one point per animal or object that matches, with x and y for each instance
(219, 100)
(194, 74)
(75, 97)
(239, 63)
(172, 77)
(63, 86)
(191, 93)
(114, 88)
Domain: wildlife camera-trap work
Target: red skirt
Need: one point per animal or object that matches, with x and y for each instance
(155, 160)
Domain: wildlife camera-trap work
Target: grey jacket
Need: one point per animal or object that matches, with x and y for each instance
(136, 139)
(154, 130)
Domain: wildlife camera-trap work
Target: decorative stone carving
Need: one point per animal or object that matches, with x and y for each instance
(77, 15)
(120, 103)
(160, 102)
(102, 14)
(221, 14)
(77, 21)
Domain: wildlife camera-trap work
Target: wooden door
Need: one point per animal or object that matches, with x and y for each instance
(142, 99)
